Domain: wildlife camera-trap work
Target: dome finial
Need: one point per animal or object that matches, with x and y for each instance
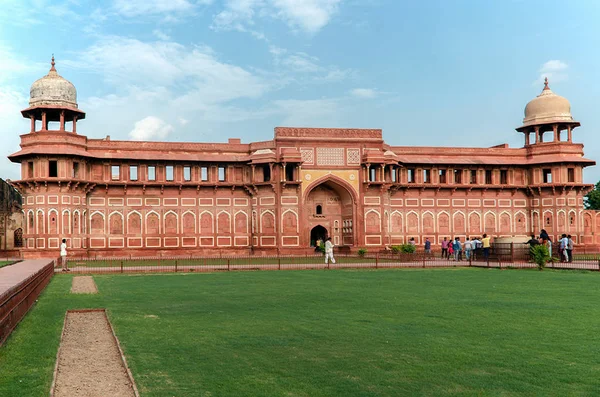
(546, 83)
(53, 69)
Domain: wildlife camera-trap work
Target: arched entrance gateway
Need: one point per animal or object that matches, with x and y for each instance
(330, 209)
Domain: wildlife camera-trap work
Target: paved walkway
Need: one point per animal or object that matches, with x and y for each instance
(13, 275)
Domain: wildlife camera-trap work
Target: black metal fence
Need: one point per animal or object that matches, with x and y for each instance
(510, 255)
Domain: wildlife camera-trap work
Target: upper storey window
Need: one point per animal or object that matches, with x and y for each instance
(266, 173)
(30, 169)
(473, 180)
(411, 175)
(204, 173)
(458, 176)
(426, 176)
(169, 172)
(442, 176)
(289, 173)
(547, 175)
(187, 173)
(75, 173)
(53, 169)
(571, 174)
(151, 173)
(393, 175)
(133, 172)
(222, 174)
(488, 177)
(372, 174)
(503, 177)
(115, 172)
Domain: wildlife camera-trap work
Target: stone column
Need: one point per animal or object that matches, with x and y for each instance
(537, 135)
(527, 137)
(74, 124)
(570, 134)
(555, 131)
(284, 172)
(44, 121)
(32, 123)
(62, 120)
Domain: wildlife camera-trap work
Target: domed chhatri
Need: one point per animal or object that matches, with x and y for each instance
(547, 108)
(53, 90)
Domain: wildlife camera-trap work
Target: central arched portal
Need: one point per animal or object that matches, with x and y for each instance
(330, 207)
(317, 233)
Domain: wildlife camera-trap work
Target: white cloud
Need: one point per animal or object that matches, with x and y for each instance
(366, 93)
(307, 15)
(300, 62)
(134, 8)
(309, 113)
(12, 101)
(555, 70)
(150, 128)
(161, 35)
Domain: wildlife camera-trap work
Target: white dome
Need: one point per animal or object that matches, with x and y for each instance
(54, 90)
(547, 108)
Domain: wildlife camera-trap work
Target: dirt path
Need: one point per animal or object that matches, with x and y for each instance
(89, 362)
(83, 285)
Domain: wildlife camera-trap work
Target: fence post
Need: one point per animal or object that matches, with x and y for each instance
(599, 265)
(121, 266)
(175, 265)
(377, 260)
(512, 252)
(278, 263)
(228, 265)
(424, 255)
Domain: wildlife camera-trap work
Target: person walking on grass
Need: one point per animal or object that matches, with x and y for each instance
(63, 255)
(329, 251)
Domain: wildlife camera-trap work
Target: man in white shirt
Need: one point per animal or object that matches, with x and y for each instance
(564, 244)
(329, 251)
(63, 255)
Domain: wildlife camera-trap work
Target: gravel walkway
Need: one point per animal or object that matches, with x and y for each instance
(83, 285)
(89, 362)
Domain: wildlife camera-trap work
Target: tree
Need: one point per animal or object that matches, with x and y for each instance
(540, 255)
(592, 199)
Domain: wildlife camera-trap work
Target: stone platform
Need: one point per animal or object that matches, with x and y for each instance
(20, 286)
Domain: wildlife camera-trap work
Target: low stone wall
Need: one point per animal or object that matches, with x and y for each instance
(16, 300)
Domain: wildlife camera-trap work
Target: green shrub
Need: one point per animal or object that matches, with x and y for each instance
(540, 255)
(396, 249)
(362, 252)
(321, 248)
(407, 248)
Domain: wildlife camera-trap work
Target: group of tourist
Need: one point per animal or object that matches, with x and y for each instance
(472, 248)
(565, 245)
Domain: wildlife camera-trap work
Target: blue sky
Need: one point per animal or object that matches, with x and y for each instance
(439, 73)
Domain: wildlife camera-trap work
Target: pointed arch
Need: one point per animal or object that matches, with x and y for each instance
(372, 222)
(76, 222)
(115, 222)
(490, 223)
(171, 222)
(427, 222)
(505, 222)
(53, 224)
(412, 222)
(240, 222)
(289, 222)
(188, 222)
(223, 222)
(520, 223)
(334, 180)
(152, 221)
(459, 222)
(267, 222)
(97, 223)
(41, 222)
(30, 222)
(396, 222)
(475, 223)
(206, 223)
(134, 222)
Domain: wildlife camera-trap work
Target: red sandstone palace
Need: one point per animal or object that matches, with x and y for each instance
(146, 198)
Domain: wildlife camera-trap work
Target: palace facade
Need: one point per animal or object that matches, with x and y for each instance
(117, 198)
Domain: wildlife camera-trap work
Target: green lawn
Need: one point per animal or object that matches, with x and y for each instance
(6, 263)
(434, 332)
